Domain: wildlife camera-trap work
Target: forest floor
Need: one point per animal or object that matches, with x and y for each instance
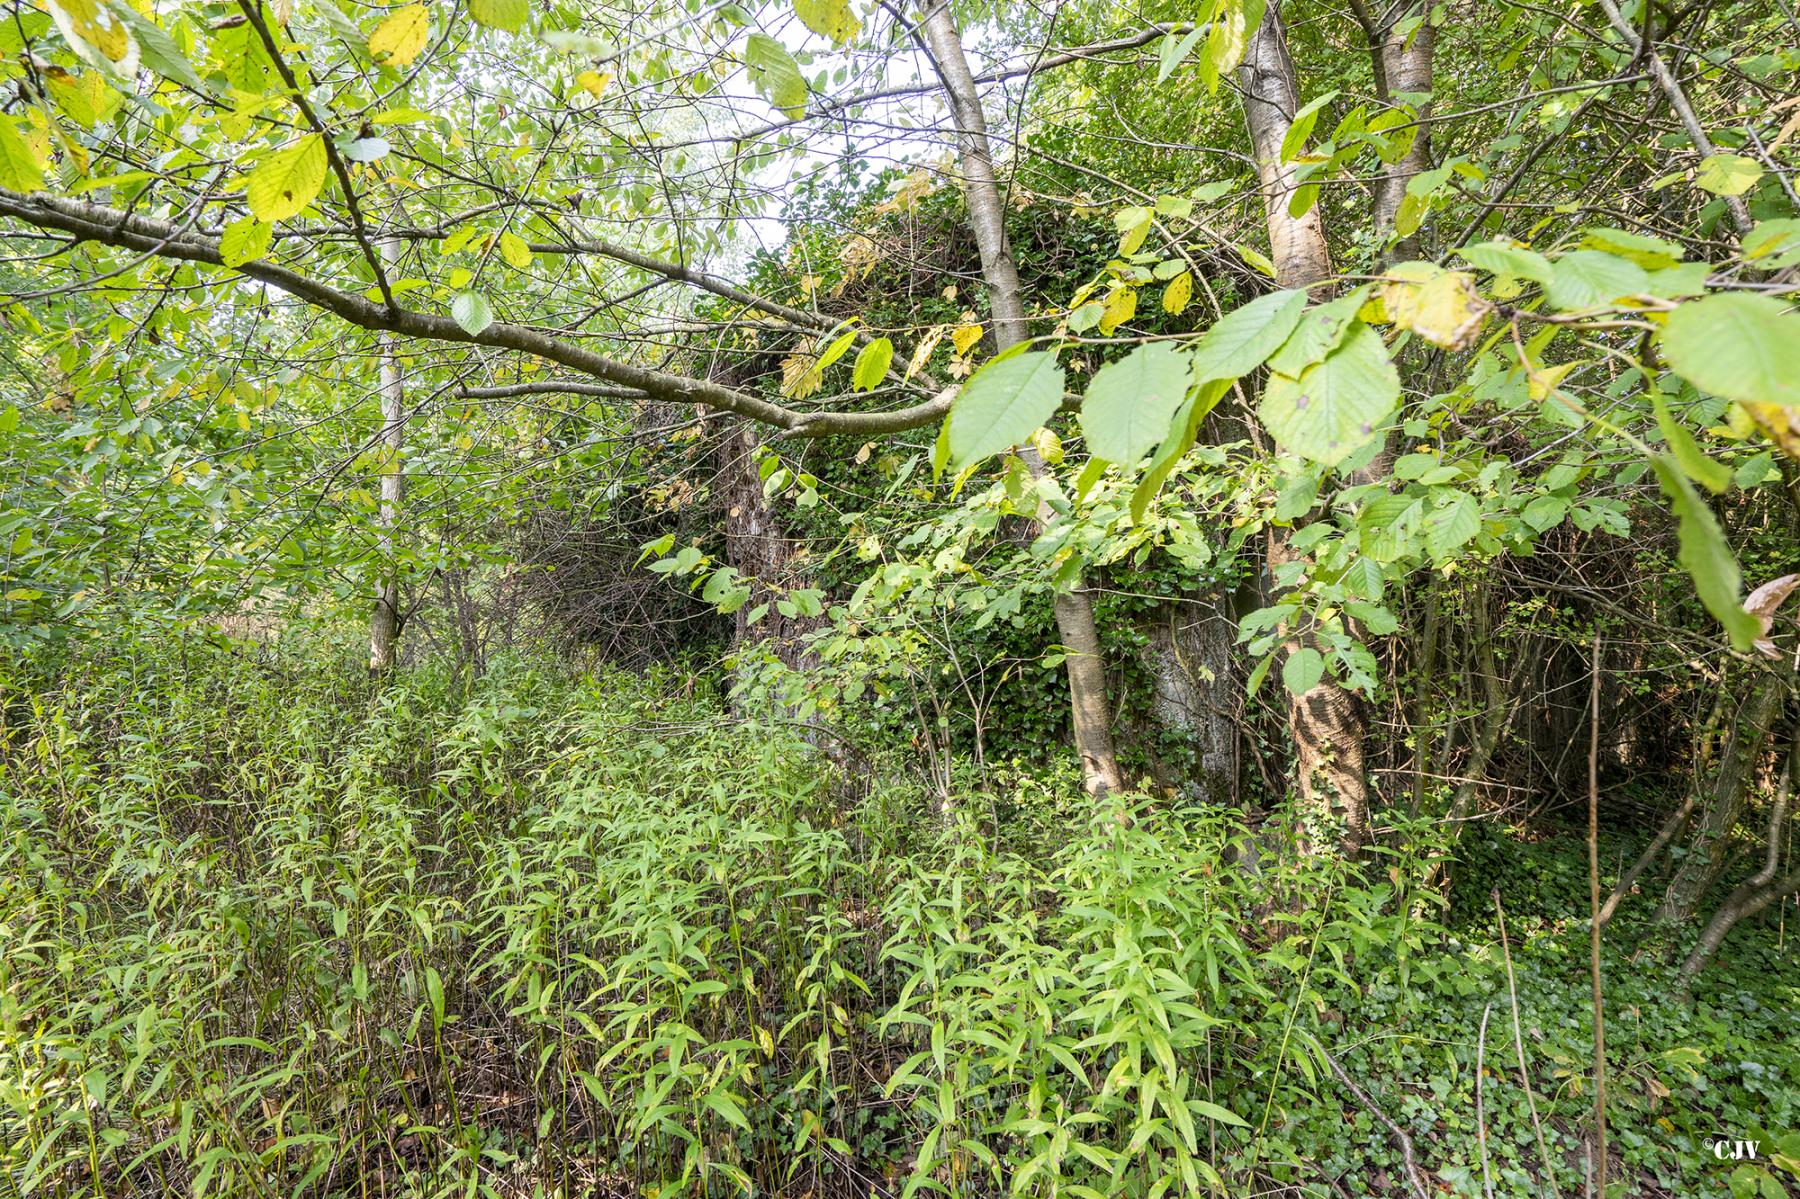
(271, 930)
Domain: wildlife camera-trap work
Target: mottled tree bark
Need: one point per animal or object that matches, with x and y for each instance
(384, 621)
(1327, 723)
(1406, 57)
(1074, 609)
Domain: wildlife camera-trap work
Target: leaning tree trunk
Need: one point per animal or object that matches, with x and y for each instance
(385, 620)
(1327, 723)
(1709, 844)
(1074, 609)
(1759, 890)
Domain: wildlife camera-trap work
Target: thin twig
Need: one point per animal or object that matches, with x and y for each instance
(1512, 990)
(1407, 1151)
(1487, 1173)
(1593, 848)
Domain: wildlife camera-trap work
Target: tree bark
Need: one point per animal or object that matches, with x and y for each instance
(1074, 609)
(1407, 67)
(1756, 892)
(1196, 689)
(1327, 723)
(385, 621)
(1725, 793)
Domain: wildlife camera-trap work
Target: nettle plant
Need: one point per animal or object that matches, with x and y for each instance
(1608, 348)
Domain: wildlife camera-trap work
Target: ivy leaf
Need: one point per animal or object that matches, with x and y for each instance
(1129, 403)
(287, 181)
(1003, 404)
(1335, 405)
(775, 75)
(244, 241)
(1302, 670)
(1707, 557)
(1243, 339)
(506, 15)
(399, 39)
(1594, 279)
(1740, 346)
(872, 363)
(1727, 174)
(470, 310)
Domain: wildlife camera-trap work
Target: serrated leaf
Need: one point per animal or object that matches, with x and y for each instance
(1594, 279)
(1707, 557)
(775, 75)
(1501, 258)
(1243, 339)
(1336, 405)
(1688, 456)
(1302, 670)
(1129, 403)
(1727, 174)
(245, 240)
(507, 15)
(1176, 295)
(287, 180)
(20, 168)
(514, 250)
(1002, 404)
(828, 18)
(158, 50)
(1741, 346)
(872, 363)
(470, 310)
(399, 39)
(1451, 526)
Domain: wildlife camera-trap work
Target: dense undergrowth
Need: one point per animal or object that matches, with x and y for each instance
(271, 930)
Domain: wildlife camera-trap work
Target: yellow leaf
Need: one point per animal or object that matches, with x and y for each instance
(1121, 306)
(922, 354)
(84, 98)
(593, 82)
(21, 169)
(514, 250)
(399, 39)
(1177, 294)
(96, 33)
(1440, 306)
(965, 337)
(287, 181)
(1781, 423)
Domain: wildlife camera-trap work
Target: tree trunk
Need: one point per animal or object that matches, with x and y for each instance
(1196, 689)
(1707, 850)
(1086, 668)
(759, 547)
(385, 620)
(1406, 60)
(1759, 890)
(1327, 723)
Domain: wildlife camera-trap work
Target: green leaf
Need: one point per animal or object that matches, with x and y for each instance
(1693, 462)
(1302, 672)
(1213, 1111)
(872, 363)
(1707, 557)
(1129, 403)
(1003, 404)
(775, 75)
(1502, 258)
(506, 15)
(1741, 346)
(514, 249)
(1337, 404)
(470, 310)
(1302, 125)
(20, 169)
(828, 18)
(1594, 279)
(1728, 174)
(1452, 525)
(1243, 339)
(157, 50)
(287, 180)
(1173, 51)
(245, 240)
(1182, 429)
